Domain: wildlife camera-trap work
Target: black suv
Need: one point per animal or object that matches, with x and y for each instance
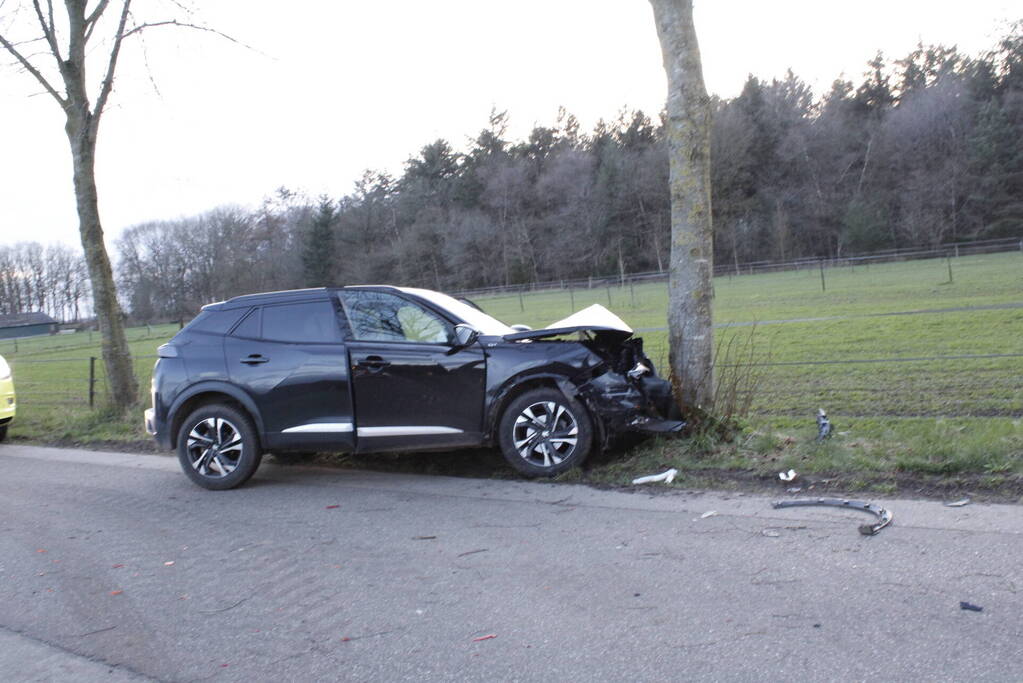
(386, 368)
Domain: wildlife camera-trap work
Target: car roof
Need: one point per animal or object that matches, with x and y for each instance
(289, 295)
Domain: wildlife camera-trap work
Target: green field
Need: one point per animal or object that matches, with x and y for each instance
(918, 372)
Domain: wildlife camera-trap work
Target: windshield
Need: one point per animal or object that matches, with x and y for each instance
(481, 321)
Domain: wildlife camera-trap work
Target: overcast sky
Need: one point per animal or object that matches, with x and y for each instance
(329, 89)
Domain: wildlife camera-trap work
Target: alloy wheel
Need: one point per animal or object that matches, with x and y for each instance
(214, 447)
(545, 433)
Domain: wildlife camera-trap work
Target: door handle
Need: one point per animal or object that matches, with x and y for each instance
(255, 359)
(373, 363)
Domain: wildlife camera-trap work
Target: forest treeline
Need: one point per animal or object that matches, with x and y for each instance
(923, 150)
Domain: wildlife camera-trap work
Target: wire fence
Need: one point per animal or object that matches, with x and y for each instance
(70, 382)
(959, 385)
(821, 264)
(83, 340)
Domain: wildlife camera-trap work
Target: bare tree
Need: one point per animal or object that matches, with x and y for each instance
(691, 287)
(67, 44)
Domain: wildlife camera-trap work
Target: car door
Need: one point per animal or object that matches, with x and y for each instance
(291, 360)
(413, 389)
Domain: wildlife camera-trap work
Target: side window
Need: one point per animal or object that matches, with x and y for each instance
(215, 322)
(248, 328)
(314, 321)
(379, 316)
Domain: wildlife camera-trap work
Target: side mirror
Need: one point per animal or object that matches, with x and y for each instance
(465, 335)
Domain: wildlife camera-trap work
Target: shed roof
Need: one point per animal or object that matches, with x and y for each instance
(24, 319)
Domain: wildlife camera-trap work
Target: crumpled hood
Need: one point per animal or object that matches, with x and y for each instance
(595, 318)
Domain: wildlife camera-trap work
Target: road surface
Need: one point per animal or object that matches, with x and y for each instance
(115, 567)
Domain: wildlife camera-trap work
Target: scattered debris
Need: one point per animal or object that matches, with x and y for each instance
(489, 636)
(795, 489)
(788, 476)
(667, 477)
(959, 503)
(169, 563)
(116, 592)
(970, 608)
(823, 426)
(884, 518)
(118, 566)
(709, 513)
(473, 552)
(333, 507)
(424, 538)
(771, 533)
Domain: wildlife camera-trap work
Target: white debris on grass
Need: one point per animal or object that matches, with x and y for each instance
(667, 477)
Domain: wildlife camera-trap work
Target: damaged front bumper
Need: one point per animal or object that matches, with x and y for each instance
(626, 404)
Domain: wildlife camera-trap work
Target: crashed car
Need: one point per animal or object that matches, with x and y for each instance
(380, 368)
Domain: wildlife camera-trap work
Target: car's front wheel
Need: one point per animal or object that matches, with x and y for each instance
(217, 447)
(544, 433)
(3, 432)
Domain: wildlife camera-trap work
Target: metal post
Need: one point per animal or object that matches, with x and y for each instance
(823, 287)
(948, 258)
(522, 306)
(609, 296)
(632, 293)
(571, 297)
(92, 381)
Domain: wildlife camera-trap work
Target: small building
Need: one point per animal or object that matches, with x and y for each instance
(26, 325)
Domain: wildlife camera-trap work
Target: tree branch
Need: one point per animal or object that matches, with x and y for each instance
(90, 21)
(48, 30)
(108, 79)
(181, 24)
(32, 70)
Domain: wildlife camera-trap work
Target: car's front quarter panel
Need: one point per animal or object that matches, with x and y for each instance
(510, 364)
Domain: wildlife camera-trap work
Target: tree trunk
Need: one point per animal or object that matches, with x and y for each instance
(116, 355)
(691, 286)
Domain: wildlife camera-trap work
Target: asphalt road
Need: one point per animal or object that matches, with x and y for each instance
(115, 567)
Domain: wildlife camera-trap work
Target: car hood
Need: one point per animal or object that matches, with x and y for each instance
(595, 319)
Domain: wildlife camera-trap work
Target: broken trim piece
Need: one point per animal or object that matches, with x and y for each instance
(884, 517)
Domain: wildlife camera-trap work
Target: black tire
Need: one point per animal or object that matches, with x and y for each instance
(3, 433)
(536, 450)
(235, 452)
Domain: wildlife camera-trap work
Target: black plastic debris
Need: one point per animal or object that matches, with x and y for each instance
(970, 608)
(884, 517)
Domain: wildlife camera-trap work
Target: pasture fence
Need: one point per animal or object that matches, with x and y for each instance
(945, 252)
(959, 385)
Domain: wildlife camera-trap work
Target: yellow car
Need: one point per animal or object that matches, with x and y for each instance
(8, 404)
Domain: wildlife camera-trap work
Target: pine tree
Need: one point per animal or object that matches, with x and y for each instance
(319, 255)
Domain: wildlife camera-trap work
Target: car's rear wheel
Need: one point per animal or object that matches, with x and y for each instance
(217, 447)
(543, 433)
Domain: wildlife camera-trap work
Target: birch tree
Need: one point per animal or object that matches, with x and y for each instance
(691, 286)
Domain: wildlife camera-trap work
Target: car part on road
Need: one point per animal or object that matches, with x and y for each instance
(667, 477)
(217, 447)
(823, 425)
(958, 503)
(884, 517)
(543, 433)
(970, 607)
